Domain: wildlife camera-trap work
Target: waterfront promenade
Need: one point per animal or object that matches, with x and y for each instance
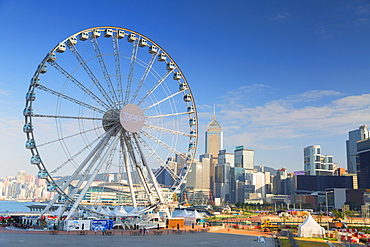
(223, 237)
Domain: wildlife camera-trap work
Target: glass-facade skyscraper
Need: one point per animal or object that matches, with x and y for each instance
(351, 146)
(214, 138)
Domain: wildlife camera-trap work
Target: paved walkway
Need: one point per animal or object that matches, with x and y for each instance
(10, 238)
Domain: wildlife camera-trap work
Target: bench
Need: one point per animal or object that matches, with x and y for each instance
(82, 232)
(157, 232)
(134, 233)
(109, 233)
(53, 232)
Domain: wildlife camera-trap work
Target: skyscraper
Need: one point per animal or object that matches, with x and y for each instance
(244, 158)
(363, 166)
(214, 138)
(317, 164)
(351, 145)
(214, 143)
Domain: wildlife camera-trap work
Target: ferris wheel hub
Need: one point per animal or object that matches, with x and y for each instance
(110, 119)
(132, 118)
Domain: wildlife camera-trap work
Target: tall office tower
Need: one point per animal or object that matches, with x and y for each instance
(363, 166)
(214, 138)
(351, 145)
(198, 178)
(213, 143)
(244, 158)
(21, 176)
(260, 180)
(317, 164)
(222, 175)
(279, 182)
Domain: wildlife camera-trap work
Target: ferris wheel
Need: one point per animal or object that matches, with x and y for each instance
(110, 117)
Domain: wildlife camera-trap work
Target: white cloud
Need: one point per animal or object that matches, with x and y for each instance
(283, 120)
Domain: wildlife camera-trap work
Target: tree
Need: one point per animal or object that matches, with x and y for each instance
(337, 215)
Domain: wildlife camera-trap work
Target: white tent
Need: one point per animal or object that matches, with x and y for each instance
(196, 215)
(310, 228)
(103, 211)
(118, 212)
(190, 217)
(133, 212)
(183, 214)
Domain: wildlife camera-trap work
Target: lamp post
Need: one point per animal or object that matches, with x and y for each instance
(326, 201)
(327, 208)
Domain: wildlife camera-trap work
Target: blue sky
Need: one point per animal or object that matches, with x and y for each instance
(283, 74)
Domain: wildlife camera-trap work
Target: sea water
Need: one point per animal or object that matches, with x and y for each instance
(14, 206)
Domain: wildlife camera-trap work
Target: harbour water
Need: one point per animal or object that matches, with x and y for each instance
(14, 206)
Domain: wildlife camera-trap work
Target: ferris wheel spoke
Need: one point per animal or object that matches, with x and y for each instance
(156, 140)
(149, 170)
(169, 115)
(90, 74)
(117, 62)
(155, 87)
(159, 159)
(132, 68)
(69, 117)
(131, 151)
(70, 136)
(95, 151)
(79, 84)
(163, 100)
(93, 175)
(128, 171)
(104, 68)
(48, 90)
(168, 130)
(145, 75)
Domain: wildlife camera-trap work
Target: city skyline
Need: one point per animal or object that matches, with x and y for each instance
(283, 76)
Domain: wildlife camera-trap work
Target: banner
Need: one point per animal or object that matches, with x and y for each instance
(77, 225)
(101, 224)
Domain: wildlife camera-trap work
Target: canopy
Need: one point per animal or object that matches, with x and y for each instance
(103, 211)
(183, 214)
(133, 212)
(118, 211)
(310, 228)
(196, 215)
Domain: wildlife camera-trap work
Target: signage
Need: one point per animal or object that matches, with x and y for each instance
(132, 118)
(77, 225)
(101, 224)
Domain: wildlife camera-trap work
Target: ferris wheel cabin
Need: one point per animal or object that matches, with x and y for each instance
(35, 160)
(30, 144)
(27, 128)
(30, 96)
(61, 48)
(108, 33)
(83, 36)
(153, 49)
(131, 37)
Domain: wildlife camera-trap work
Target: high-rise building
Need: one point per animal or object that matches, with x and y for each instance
(213, 144)
(351, 146)
(21, 176)
(279, 182)
(222, 175)
(214, 138)
(317, 164)
(363, 166)
(244, 158)
(260, 180)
